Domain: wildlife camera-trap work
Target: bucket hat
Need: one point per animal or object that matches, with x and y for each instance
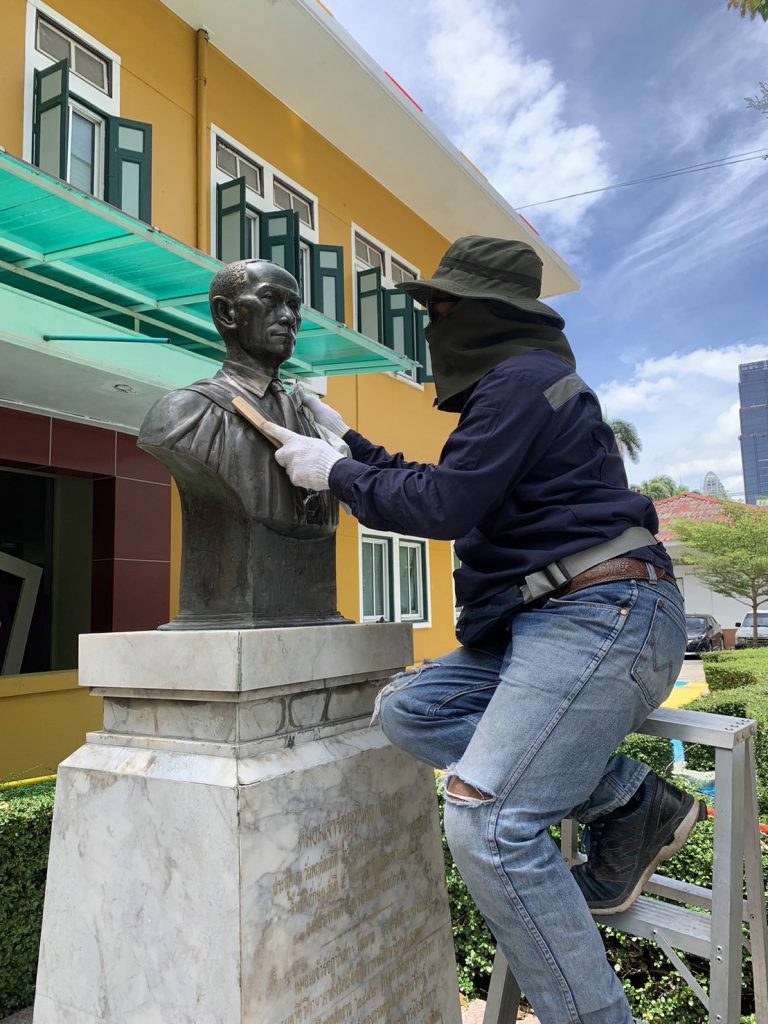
(477, 267)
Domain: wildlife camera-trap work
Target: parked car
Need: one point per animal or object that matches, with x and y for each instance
(704, 634)
(745, 632)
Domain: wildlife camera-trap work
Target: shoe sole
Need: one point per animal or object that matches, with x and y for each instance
(697, 813)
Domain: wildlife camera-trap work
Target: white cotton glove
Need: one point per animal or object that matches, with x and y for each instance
(322, 414)
(307, 460)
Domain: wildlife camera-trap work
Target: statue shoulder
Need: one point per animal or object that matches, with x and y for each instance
(176, 415)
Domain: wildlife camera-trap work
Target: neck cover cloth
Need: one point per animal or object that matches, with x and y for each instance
(478, 335)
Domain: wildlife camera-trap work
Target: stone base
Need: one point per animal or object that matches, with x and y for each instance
(290, 874)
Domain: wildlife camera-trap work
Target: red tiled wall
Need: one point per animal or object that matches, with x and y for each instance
(131, 512)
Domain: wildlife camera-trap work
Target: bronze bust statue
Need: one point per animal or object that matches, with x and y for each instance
(256, 551)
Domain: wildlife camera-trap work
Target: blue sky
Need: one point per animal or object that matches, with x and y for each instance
(550, 97)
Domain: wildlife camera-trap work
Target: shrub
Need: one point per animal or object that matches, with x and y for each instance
(748, 702)
(654, 751)
(25, 831)
(727, 670)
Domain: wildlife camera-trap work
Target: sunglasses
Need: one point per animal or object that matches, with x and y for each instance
(440, 307)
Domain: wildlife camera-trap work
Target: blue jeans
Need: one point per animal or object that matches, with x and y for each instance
(532, 725)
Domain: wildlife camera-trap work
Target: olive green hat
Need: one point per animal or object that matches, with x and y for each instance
(476, 267)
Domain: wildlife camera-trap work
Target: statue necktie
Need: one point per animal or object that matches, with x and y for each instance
(287, 409)
(309, 502)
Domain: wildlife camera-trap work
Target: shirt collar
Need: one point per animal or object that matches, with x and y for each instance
(247, 377)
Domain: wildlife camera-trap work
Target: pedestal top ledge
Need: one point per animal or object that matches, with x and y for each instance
(235, 660)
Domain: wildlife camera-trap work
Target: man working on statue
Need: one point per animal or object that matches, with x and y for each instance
(572, 627)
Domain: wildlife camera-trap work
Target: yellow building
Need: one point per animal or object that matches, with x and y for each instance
(142, 143)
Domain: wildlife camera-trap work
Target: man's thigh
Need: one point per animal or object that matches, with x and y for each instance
(460, 683)
(571, 688)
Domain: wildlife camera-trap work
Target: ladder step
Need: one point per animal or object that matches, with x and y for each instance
(720, 731)
(683, 929)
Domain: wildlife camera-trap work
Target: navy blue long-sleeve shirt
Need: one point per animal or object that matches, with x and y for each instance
(530, 475)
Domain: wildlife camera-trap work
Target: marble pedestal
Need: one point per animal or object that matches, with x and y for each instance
(238, 846)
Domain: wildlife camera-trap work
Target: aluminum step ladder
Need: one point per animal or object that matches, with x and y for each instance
(717, 934)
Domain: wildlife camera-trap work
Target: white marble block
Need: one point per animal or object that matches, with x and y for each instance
(239, 846)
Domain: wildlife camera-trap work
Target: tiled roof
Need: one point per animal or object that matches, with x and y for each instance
(698, 507)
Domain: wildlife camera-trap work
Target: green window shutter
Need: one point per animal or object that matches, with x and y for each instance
(231, 226)
(424, 372)
(128, 184)
(50, 119)
(370, 311)
(399, 323)
(279, 240)
(327, 279)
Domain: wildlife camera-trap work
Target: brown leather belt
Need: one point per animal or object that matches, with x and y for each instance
(606, 572)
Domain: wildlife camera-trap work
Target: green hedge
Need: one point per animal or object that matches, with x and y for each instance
(728, 670)
(747, 702)
(25, 832)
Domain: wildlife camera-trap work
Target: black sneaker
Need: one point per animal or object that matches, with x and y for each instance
(625, 849)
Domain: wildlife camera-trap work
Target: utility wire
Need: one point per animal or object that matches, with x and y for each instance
(726, 161)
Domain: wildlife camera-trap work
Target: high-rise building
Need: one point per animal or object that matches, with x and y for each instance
(753, 399)
(713, 487)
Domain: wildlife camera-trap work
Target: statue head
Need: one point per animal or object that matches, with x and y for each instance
(256, 306)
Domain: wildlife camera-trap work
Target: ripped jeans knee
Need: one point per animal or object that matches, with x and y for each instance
(458, 791)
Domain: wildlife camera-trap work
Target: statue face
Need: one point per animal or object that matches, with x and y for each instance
(265, 317)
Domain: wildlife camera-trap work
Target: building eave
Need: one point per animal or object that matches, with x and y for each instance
(332, 84)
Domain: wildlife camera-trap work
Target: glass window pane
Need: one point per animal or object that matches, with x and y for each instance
(367, 567)
(302, 207)
(329, 260)
(82, 144)
(52, 42)
(305, 281)
(252, 225)
(277, 226)
(51, 86)
(369, 318)
(361, 249)
(401, 273)
(226, 160)
(130, 197)
(329, 298)
(398, 335)
(282, 198)
(251, 175)
(89, 67)
(230, 237)
(50, 141)
(405, 593)
(368, 253)
(131, 139)
(378, 578)
(397, 301)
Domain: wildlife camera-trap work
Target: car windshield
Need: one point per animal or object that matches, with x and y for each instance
(696, 621)
(762, 619)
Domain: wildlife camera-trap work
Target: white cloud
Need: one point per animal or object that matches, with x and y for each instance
(509, 113)
(686, 409)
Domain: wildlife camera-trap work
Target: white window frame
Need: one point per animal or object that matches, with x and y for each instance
(393, 540)
(82, 89)
(386, 282)
(422, 596)
(385, 544)
(262, 203)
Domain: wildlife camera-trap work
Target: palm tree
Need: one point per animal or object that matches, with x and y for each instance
(627, 439)
(750, 7)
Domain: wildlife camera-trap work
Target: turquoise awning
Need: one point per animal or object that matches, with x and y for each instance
(133, 282)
